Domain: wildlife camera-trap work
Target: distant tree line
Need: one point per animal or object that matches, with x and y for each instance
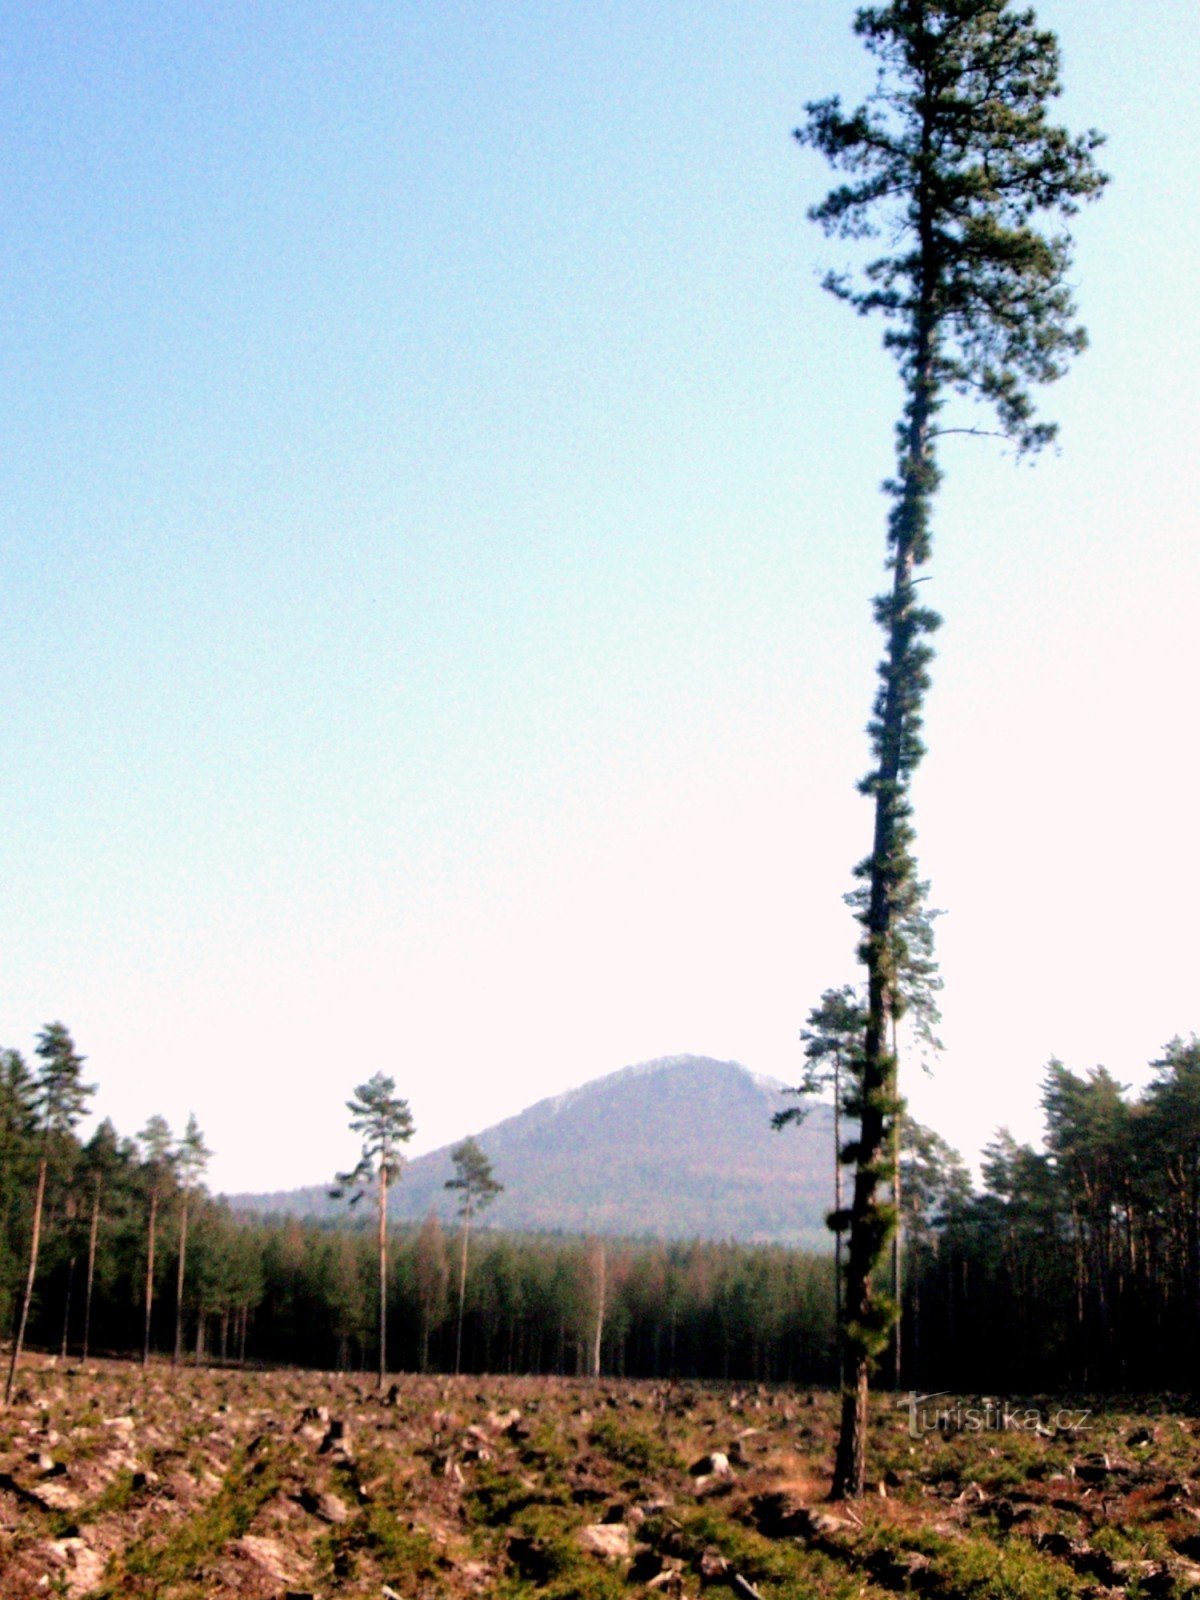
(1088, 1248)
(1079, 1264)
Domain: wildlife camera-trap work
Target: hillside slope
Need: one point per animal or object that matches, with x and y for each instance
(676, 1148)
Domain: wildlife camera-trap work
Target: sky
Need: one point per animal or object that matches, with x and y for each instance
(439, 513)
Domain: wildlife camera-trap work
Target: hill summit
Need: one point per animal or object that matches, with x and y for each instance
(677, 1148)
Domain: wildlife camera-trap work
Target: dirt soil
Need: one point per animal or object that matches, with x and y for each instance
(119, 1482)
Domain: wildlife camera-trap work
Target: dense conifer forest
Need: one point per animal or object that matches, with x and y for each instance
(1089, 1246)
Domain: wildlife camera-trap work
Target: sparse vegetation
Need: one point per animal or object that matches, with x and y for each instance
(199, 1483)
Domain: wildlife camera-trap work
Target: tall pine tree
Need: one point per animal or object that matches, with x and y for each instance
(954, 161)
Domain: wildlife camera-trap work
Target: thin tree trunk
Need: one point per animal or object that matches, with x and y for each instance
(601, 1288)
(897, 1286)
(34, 1243)
(150, 1274)
(837, 1206)
(914, 1343)
(69, 1222)
(177, 1353)
(897, 1262)
(383, 1197)
(66, 1327)
(93, 1234)
(462, 1288)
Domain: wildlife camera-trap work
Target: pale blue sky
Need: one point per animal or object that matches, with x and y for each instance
(438, 520)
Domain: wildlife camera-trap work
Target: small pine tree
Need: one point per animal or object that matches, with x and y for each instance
(191, 1157)
(833, 1045)
(158, 1166)
(477, 1188)
(385, 1123)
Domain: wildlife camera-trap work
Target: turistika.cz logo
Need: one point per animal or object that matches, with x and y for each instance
(941, 1412)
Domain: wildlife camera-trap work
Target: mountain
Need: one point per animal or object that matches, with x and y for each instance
(677, 1148)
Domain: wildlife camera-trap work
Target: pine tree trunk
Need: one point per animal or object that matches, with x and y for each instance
(177, 1353)
(66, 1327)
(383, 1200)
(150, 1274)
(601, 1289)
(34, 1243)
(837, 1206)
(897, 1264)
(462, 1290)
(852, 1442)
(93, 1235)
(914, 1342)
(900, 700)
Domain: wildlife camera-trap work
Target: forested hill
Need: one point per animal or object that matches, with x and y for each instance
(675, 1148)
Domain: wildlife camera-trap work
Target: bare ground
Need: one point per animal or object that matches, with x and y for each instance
(184, 1484)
